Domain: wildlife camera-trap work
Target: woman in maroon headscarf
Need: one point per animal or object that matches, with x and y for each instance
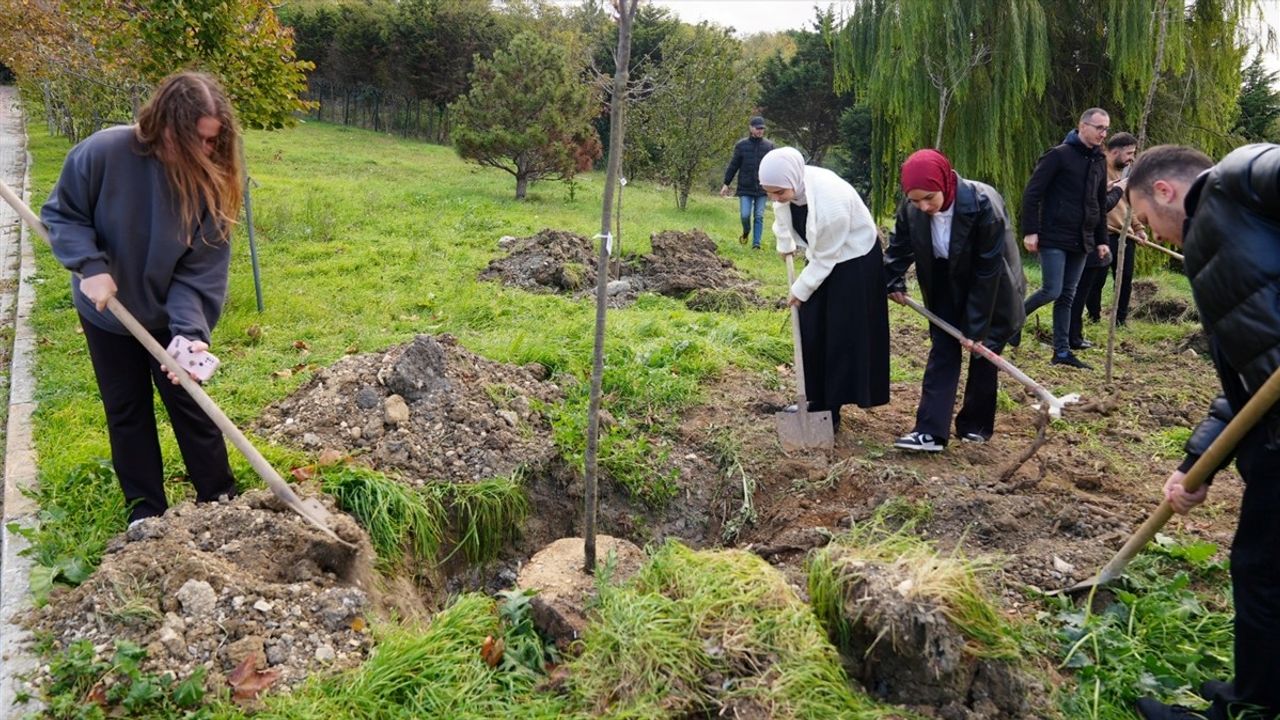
(959, 236)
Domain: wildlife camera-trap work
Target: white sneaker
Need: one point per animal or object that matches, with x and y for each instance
(972, 437)
(920, 442)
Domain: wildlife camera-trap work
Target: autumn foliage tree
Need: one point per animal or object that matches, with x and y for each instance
(528, 113)
(95, 61)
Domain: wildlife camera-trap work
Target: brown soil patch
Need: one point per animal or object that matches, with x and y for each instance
(684, 265)
(210, 585)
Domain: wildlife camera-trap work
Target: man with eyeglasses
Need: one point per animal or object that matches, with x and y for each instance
(1064, 219)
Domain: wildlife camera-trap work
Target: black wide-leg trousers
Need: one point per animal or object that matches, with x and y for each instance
(126, 373)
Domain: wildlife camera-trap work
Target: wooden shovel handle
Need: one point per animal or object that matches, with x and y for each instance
(1219, 450)
(802, 402)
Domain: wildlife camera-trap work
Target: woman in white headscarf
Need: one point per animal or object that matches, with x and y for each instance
(844, 315)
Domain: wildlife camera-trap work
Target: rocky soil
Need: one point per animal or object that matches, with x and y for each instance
(216, 584)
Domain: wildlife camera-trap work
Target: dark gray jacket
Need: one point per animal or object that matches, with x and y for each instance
(983, 263)
(1231, 241)
(747, 154)
(112, 210)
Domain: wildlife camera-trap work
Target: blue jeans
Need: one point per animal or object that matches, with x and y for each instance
(1061, 271)
(747, 207)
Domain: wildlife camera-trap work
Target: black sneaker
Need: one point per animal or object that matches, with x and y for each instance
(920, 442)
(973, 437)
(1151, 709)
(1068, 358)
(742, 239)
(1081, 345)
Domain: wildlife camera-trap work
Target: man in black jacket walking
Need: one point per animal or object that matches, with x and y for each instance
(1064, 218)
(1227, 218)
(747, 154)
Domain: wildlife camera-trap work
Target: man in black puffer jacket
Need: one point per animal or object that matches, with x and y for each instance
(1064, 218)
(1228, 220)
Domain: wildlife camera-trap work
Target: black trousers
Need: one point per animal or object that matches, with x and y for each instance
(1088, 297)
(1130, 252)
(1255, 576)
(125, 372)
(942, 374)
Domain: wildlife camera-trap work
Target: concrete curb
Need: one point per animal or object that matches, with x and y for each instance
(16, 660)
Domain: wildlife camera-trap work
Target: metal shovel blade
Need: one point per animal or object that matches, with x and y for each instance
(804, 430)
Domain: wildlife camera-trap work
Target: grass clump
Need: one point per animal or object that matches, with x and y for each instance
(437, 671)
(403, 522)
(708, 634)
(407, 523)
(486, 514)
(1168, 630)
(951, 582)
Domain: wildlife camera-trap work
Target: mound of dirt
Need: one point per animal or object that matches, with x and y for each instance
(902, 647)
(429, 410)
(682, 265)
(215, 584)
(550, 261)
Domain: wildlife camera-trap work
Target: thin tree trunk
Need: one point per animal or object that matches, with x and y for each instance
(1161, 38)
(943, 101)
(622, 63)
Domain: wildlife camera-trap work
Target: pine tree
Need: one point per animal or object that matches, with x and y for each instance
(528, 113)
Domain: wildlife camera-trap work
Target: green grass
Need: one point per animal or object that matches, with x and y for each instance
(1168, 630)
(697, 632)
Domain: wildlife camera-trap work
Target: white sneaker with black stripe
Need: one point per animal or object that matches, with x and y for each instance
(920, 442)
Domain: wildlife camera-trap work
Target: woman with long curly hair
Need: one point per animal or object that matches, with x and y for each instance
(144, 213)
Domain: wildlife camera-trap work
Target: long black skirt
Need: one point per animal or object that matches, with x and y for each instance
(844, 336)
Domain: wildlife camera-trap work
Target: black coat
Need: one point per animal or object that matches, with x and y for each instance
(747, 154)
(983, 263)
(1065, 201)
(1231, 241)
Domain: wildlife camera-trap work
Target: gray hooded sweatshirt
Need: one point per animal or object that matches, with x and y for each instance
(113, 210)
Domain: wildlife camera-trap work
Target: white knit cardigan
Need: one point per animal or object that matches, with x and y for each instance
(839, 228)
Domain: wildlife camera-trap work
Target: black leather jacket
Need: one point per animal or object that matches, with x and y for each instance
(984, 266)
(1232, 245)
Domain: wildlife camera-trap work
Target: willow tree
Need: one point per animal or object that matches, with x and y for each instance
(1048, 62)
(962, 72)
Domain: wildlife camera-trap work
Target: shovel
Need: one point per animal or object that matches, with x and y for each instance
(1218, 452)
(801, 430)
(309, 509)
(1054, 403)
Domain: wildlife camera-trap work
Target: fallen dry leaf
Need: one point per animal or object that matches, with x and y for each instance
(352, 349)
(97, 695)
(303, 474)
(282, 374)
(358, 624)
(301, 345)
(492, 650)
(247, 681)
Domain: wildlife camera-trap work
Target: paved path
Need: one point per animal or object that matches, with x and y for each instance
(17, 383)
